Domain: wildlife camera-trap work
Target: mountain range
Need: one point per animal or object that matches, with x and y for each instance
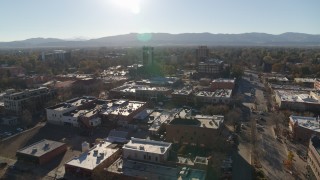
(166, 39)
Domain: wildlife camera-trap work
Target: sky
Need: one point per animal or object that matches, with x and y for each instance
(67, 19)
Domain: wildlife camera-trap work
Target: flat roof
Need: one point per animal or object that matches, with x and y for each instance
(40, 148)
(304, 80)
(95, 156)
(311, 123)
(132, 88)
(183, 91)
(144, 170)
(217, 93)
(224, 80)
(146, 145)
(213, 122)
(76, 102)
(143, 114)
(126, 110)
(292, 96)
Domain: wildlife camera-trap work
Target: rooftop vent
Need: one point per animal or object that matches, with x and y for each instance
(34, 150)
(141, 147)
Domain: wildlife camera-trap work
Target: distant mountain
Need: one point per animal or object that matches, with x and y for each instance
(185, 39)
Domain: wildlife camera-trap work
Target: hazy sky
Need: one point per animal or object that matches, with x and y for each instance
(22, 19)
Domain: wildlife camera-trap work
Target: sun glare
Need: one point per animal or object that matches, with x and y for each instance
(131, 5)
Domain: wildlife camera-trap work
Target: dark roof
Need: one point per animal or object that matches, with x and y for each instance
(189, 122)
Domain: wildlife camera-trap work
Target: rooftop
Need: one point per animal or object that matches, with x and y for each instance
(183, 91)
(144, 170)
(292, 96)
(95, 156)
(305, 80)
(213, 122)
(224, 80)
(76, 102)
(40, 148)
(217, 93)
(311, 123)
(132, 106)
(146, 145)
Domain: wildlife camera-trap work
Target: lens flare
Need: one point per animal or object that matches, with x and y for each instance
(132, 5)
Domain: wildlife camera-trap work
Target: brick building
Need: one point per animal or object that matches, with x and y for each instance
(41, 152)
(101, 155)
(302, 128)
(314, 156)
(198, 131)
(222, 84)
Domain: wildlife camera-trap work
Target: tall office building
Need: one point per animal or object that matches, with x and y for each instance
(147, 55)
(202, 53)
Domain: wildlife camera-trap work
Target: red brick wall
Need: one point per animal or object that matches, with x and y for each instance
(52, 154)
(191, 134)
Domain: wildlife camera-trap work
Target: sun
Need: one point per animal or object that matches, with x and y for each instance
(131, 5)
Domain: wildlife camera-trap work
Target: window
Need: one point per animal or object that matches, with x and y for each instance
(156, 158)
(149, 157)
(144, 157)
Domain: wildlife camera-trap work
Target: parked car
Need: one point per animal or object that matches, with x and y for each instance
(19, 129)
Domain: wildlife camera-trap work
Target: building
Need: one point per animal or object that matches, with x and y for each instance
(55, 113)
(222, 84)
(210, 66)
(31, 99)
(302, 128)
(12, 71)
(9, 120)
(161, 81)
(314, 156)
(56, 55)
(317, 84)
(202, 53)
(41, 152)
(306, 82)
(197, 131)
(148, 159)
(159, 121)
(184, 95)
(140, 92)
(297, 101)
(147, 55)
(146, 150)
(123, 111)
(216, 97)
(101, 155)
(87, 118)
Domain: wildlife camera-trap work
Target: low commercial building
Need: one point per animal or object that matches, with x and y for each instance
(302, 128)
(141, 92)
(293, 100)
(198, 130)
(101, 155)
(148, 159)
(215, 97)
(161, 81)
(222, 84)
(314, 156)
(55, 113)
(306, 82)
(123, 111)
(146, 150)
(41, 152)
(184, 95)
(87, 118)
